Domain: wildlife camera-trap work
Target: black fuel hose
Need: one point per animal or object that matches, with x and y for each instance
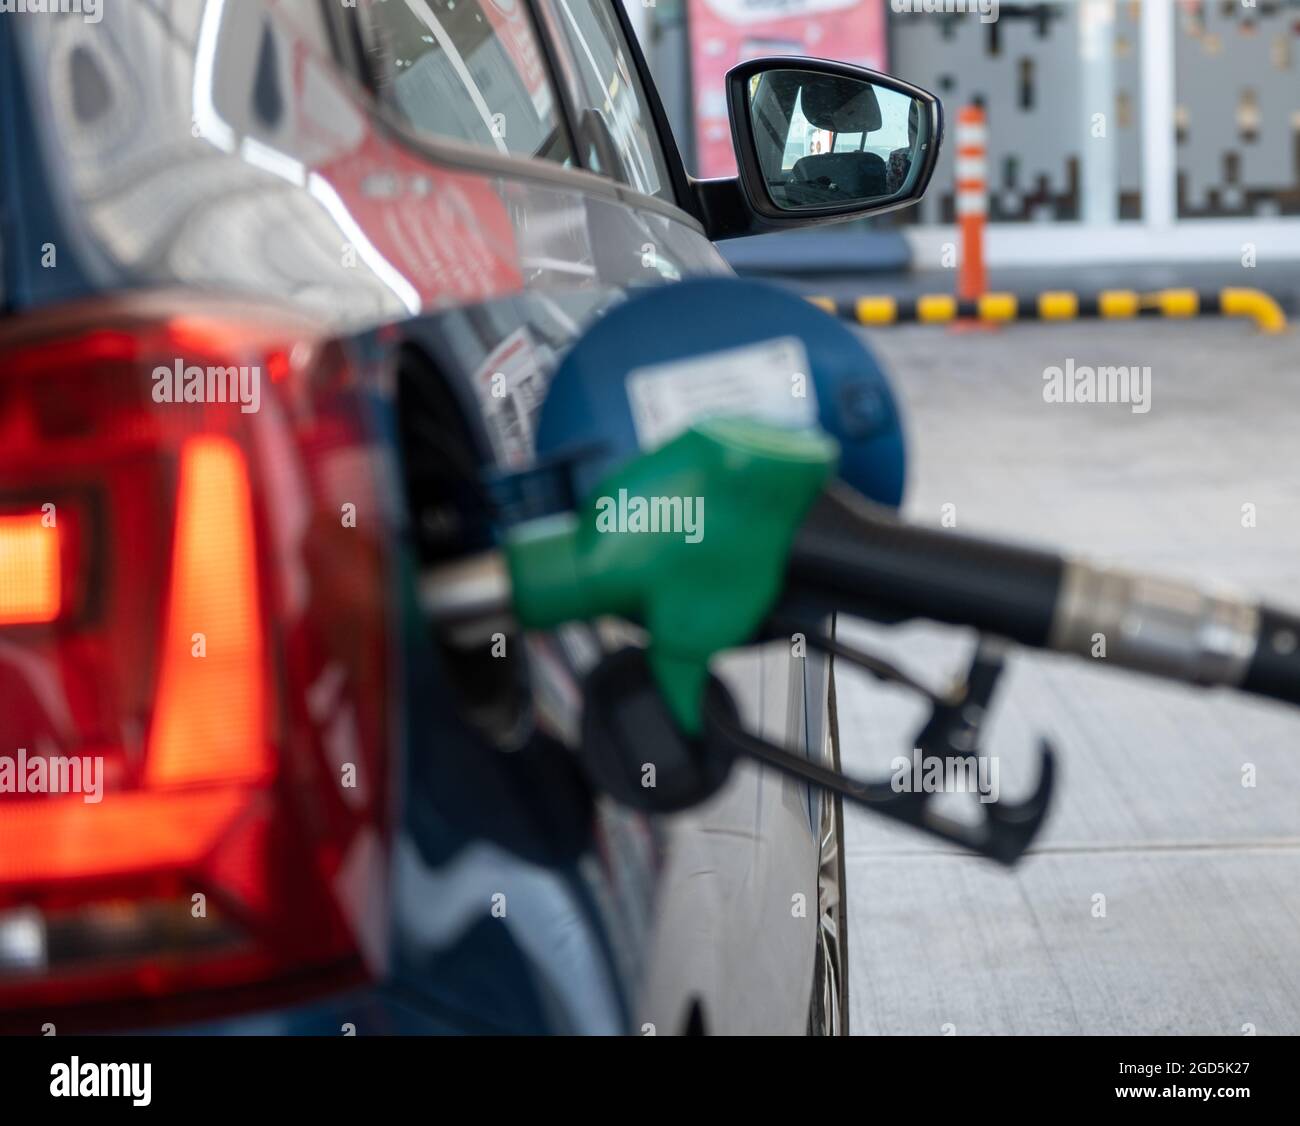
(853, 556)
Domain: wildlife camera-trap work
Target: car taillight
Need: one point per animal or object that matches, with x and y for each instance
(31, 587)
(170, 828)
(209, 722)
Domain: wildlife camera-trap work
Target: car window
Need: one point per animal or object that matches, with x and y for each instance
(615, 130)
(470, 70)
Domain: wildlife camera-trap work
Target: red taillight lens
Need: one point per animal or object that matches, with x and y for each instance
(31, 586)
(171, 824)
(209, 722)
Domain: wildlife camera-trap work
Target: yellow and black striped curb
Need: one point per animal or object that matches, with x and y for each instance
(1061, 305)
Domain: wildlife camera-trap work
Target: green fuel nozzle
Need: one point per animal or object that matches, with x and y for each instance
(689, 540)
(710, 539)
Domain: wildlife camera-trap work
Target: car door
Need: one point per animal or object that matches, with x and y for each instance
(740, 941)
(735, 924)
(588, 225)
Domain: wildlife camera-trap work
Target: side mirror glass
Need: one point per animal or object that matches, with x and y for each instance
(826, 140)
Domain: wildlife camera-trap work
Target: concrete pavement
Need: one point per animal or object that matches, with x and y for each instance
(1165, 895)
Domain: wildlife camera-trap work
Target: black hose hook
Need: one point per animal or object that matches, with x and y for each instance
(953, 731)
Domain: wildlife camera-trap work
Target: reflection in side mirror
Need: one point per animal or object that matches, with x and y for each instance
(817, 142)
(826, 140)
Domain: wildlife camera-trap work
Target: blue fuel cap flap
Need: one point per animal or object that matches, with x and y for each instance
(672, 355)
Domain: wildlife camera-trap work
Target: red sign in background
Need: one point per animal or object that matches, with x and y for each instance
(726, 32)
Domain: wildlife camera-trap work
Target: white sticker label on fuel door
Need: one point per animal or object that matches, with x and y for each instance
(768, 381)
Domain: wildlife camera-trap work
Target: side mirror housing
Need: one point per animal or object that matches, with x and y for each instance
(820, 142)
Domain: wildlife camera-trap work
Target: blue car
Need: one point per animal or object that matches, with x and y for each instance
(283, 285)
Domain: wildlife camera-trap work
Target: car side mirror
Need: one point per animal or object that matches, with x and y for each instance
(819, 142)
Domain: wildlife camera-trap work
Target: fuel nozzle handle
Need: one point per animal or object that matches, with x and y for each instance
(690, 540)
(856, 557)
